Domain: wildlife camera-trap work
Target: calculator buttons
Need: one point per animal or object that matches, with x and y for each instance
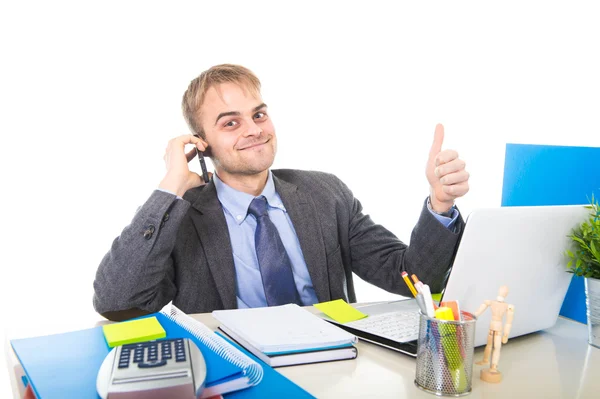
(179, 351)
(155, 366)
(152, 354)
(124, 358)
(150, 365)
(165, 350)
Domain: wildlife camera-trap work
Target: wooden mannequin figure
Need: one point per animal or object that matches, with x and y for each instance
(495, 339)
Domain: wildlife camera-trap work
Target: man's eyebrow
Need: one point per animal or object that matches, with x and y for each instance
(263, 105)
(222, 114)
(237, 113)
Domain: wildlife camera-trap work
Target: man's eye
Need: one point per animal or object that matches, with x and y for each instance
(230, 124)
(260, 115)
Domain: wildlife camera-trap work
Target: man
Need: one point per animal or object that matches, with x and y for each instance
(252, 236)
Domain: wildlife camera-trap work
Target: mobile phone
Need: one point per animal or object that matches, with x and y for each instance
(200, 155)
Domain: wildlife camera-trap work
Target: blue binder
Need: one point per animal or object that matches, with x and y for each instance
(66, 365)
(553, 175)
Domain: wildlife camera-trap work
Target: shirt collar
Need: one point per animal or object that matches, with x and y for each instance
(237, 202)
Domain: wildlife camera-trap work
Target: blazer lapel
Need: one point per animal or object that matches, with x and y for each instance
(303, 214)
(211, 227)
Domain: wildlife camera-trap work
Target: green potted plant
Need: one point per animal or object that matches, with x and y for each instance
(585, 262)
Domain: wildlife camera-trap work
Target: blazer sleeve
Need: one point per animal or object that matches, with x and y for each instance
(137, 272)
(379, 257)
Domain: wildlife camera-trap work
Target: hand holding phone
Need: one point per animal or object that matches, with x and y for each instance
(179, 178)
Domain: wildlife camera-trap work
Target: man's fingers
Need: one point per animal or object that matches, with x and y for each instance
(445, 157)
(190, 139)
(456, 190)
(445, 171)
(455, 178)
(197, 180)
(450, 167)
(200, 143)
(190, 155)
(438, 140)
(194, 180)
(178, 144)
(181, 141)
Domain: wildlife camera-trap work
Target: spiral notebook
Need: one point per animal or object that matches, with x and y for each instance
(66, 365)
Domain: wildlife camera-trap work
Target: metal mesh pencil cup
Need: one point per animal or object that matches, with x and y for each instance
(445, 355)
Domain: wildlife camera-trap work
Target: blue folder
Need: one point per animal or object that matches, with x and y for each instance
(553, 175)
(66, 365)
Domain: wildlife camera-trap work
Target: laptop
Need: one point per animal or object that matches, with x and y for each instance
(520, 247)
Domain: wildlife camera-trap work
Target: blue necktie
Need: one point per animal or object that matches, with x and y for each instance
(274, 262)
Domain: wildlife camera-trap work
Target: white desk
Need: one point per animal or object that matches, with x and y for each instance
(556, 363)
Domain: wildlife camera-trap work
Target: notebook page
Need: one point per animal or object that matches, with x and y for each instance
(282, 328)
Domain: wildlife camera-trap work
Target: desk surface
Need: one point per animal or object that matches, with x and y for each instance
(556, 363)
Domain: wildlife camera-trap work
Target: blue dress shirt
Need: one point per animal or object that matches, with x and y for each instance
(448, 222)
(249, 287)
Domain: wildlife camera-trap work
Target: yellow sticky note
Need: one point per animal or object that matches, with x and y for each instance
(130, 332)
(444, 313)
(340, 311)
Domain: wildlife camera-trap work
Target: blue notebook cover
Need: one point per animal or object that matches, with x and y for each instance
(66, 365)
(274, 385)
(553, 175)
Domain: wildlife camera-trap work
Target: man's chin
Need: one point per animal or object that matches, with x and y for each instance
(255, 165)
(249, 169)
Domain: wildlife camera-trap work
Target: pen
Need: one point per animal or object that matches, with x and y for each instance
(415, 279)
(428, 300)
(202, 164)
(421, 303)
(418, 284)
(410, 285)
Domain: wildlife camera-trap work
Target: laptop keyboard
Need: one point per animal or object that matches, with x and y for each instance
(401, 326)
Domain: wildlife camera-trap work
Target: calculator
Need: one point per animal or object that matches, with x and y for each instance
(169, 368)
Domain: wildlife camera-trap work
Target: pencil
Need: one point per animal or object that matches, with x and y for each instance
(409, 283)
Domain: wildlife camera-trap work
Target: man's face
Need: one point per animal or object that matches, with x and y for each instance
(239, 132)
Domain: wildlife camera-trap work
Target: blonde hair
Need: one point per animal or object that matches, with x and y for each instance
(193, 98)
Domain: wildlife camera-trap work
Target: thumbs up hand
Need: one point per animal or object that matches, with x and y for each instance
(446, 174)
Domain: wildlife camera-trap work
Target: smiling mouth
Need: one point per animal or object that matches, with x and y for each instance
(254, 145)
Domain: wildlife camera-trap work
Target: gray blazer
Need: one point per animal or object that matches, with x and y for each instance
(180, 250)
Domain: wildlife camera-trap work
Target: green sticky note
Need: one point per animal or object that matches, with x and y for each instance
(436, 297)
(130, 332)
(340, 311)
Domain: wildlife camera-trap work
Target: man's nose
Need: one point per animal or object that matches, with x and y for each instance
(253, 129)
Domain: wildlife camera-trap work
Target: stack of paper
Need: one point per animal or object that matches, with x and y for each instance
(286, 335)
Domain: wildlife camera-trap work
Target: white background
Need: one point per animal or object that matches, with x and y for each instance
(90, 94)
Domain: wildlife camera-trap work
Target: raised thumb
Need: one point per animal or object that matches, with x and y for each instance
(438, 140)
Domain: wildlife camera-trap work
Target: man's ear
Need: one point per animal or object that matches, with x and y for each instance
(207, 152)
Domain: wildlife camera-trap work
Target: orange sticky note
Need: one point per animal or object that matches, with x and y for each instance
(455, 308)
(130, 332)
(340, 311)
